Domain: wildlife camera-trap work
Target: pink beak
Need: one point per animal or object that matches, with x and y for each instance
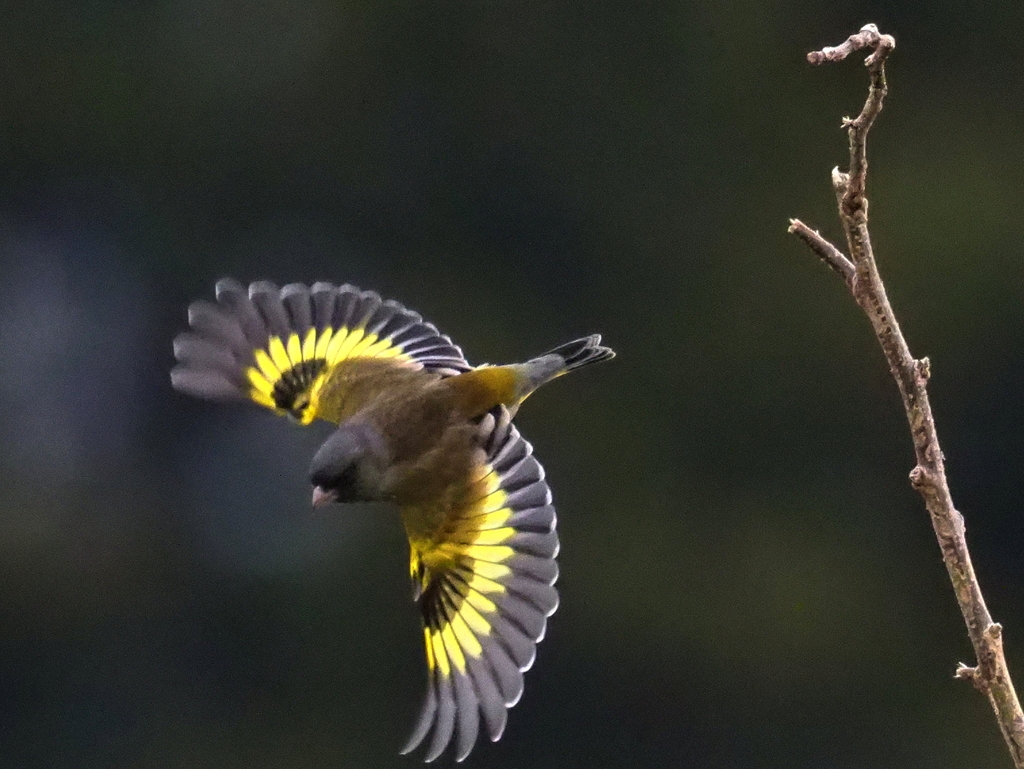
(322, 496)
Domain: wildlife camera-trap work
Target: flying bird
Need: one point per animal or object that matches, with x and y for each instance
(420, 427)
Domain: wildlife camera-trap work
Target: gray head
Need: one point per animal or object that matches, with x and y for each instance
(348, 466)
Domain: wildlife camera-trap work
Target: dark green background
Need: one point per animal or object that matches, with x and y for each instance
(747, 578)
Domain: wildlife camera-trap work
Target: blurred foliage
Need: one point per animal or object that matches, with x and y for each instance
(748, 580)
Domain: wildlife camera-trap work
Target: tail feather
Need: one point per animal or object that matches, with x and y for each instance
(582, 352)
(560, 361)
(480, 390)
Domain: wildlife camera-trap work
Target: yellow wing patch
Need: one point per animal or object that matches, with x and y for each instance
(278, 346)
(289, 374)
(484, 584)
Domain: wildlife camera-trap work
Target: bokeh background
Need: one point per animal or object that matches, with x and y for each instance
(747, 578)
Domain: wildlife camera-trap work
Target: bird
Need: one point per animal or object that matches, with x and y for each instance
(419, 427)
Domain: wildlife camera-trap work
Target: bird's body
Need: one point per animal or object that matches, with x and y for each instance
(419, 427)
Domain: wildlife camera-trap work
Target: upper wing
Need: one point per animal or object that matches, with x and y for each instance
(485, 586)
(278, 346)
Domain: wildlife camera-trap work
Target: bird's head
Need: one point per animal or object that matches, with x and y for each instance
(348, 466)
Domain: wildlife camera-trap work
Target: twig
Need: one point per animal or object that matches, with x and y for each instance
(828, 253)
(868, 37)
(991, 675)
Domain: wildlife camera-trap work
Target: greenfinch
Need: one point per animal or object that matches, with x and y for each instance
(420, 427)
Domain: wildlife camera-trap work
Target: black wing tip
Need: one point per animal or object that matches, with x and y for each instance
(208, 384)
(262, 308)
(228, 286)
(323, 286)
(454, 721)
(428, 711)
(263, 287)
(467, 706)
(297, 293)
(444, 720)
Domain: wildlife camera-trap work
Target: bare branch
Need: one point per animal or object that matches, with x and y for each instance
(854, 202)
(868, 37)
(828, 253)
(991, 675)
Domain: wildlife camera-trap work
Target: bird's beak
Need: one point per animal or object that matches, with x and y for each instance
(322, 496)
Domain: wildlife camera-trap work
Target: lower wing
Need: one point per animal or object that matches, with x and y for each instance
(485, 591)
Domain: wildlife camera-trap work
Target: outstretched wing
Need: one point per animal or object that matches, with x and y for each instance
(485, 585)
(278, 346)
